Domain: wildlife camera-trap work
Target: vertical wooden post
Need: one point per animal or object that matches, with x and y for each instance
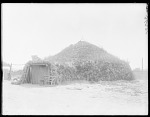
(9, 77)
(142, 64)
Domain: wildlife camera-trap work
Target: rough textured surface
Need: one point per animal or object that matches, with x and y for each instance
(91, 63)
(80, 51)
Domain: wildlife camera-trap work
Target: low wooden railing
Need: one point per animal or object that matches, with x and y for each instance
(47, 80)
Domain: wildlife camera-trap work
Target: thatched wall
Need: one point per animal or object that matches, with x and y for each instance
(95, 71)
(92, 71)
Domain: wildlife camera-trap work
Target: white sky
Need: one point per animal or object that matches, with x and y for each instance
(46, 29)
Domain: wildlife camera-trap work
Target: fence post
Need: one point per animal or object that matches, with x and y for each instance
(142, 64)
(9, 77)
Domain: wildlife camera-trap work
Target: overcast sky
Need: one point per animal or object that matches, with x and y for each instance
(46, 29)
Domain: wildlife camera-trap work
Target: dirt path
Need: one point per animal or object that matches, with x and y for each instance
(105, 98)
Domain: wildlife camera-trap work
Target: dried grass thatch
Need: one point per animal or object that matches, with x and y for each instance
(85, 61)
(95, 71)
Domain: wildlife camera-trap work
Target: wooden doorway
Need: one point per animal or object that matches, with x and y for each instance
(38, 72)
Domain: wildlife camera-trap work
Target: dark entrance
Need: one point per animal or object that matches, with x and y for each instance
(37, 72)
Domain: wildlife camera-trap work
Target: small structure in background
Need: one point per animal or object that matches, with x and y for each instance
(9, 74)
(7, 68)
(140, 74)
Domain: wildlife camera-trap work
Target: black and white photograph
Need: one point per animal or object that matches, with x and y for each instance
(74, 58)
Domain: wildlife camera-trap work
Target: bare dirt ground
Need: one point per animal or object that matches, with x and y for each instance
(103, 98)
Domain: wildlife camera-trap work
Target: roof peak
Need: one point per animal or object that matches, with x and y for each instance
(82, 38)
(81, 41)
